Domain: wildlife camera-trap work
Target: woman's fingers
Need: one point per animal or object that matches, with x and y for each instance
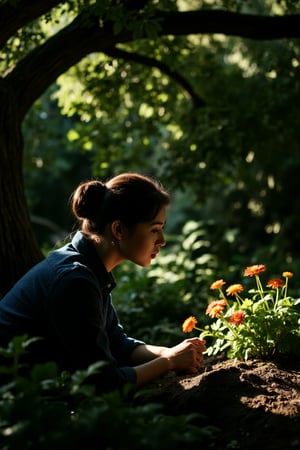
(200, 343)
(188, 355)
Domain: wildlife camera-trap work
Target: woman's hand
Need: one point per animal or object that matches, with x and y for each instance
(152, 361)
(186, 356)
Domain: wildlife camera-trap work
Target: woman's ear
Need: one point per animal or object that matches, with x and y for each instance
(117, 229)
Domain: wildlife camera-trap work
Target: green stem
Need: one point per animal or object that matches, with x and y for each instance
(285, 287)
(259, 286)
(223, 295)
(231, 327)
(239, 299)
(199, 329)
(276, 300)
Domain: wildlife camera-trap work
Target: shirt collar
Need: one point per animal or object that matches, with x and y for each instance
(85, 247)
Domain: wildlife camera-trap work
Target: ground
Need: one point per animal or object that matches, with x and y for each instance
(254, 404)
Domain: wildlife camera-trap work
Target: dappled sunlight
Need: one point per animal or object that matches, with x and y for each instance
(256, 207)
(273, 228)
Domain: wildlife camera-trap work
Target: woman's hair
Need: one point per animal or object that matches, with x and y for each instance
(128, 197)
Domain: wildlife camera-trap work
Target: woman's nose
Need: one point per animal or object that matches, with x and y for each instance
(161, 240)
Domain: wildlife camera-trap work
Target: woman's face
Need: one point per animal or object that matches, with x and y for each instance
(143, 243)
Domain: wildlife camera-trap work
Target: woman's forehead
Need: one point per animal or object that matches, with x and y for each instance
(160, 218)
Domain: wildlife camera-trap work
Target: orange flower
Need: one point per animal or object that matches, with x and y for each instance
(217, 284)
(189, 324)
(287, 274)
(215, 308)
(234, 289)
(237, 318)
(251, 271)
(275, 283)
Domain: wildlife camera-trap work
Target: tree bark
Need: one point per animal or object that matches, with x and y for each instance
(19, 249)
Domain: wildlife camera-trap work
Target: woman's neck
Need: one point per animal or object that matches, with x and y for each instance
(108, 252)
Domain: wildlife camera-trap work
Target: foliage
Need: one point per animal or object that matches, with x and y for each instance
(221, 153)
(46, 409)
(263, 325)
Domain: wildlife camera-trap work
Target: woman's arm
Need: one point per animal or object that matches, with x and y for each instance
(145, 353)
(152, 361)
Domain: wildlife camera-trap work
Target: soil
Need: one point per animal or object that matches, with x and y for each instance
(253, 404)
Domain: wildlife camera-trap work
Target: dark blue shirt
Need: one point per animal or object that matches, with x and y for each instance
(66, 299)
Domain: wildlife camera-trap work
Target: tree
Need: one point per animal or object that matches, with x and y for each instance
(32, 60)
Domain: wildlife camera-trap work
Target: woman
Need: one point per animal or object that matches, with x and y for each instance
(66, 298)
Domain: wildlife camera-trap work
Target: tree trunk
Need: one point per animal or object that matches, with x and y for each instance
(19, 249)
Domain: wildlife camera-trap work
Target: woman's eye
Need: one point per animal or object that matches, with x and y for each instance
(155, 230)
(158, 230)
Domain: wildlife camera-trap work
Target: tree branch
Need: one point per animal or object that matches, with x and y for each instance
(12, 18)
(40, 68)
(152, 62)
(249, 26)
(31, 76)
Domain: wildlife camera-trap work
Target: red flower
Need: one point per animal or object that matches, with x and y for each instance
(217, 284)
(189, 324)
(215, 308)
(234, 289)
(251, 271)
(237, 318)
(275, 283)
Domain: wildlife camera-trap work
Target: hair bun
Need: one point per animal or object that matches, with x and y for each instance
(87, 199)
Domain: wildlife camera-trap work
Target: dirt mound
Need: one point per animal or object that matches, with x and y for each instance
(254, 404)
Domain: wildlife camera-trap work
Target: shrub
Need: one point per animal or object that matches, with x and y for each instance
(48, 410)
